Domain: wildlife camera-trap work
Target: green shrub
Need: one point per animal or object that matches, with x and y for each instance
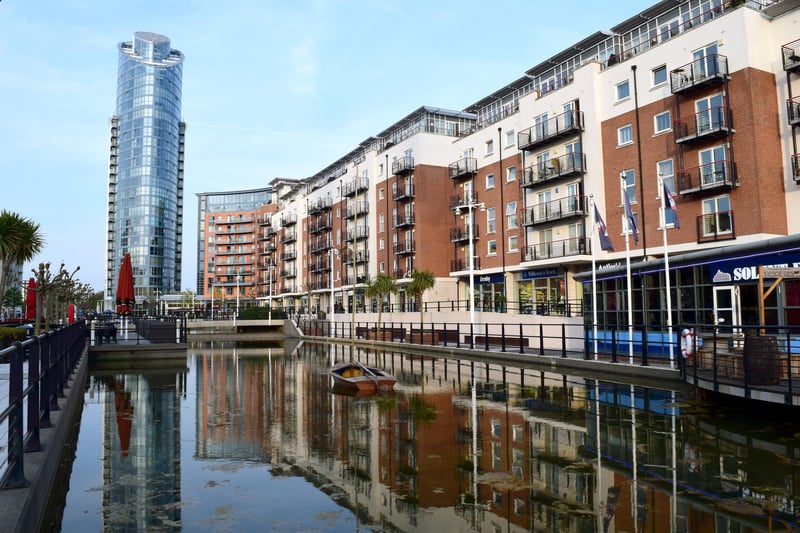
(260, 313)
(9, 335)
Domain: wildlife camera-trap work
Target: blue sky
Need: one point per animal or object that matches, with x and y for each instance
(270, 89)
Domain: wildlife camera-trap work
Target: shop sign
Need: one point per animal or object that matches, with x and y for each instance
(745, 269)
(489, 278)
(541, 273)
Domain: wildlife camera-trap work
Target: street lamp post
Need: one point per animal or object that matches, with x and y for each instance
(238, 275)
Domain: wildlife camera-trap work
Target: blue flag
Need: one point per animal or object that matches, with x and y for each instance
(631, 218)
(602, 232)
(669, 202)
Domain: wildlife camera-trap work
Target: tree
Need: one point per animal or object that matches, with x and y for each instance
(421, 281)
(12, 297)
(378, 287)
(20, 241)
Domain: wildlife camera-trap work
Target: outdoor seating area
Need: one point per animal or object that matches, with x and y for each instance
(106, 333)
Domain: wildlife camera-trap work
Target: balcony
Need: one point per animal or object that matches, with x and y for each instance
(463, 168)
(320, 245)
(288, 273)
(403, 220)
(289, 236)
(289, 219)
(551, 130)
(561, 167)
(403, 192)
(796, 168)
(701, 73)
(461, 233)
(265, 221)
(398, 273)
(321, 224)
(790, 52)
(289, 255)
(793, 110)
(358, 278)
(402, 165)
(713, 227)
(321, 204)
(350, 257)
(709, 177)
(320, 265)
(357, 234)
(357, 185)
(462, 264)
(556, 210)
(555, 249)
(359, 208)
(463, 200)
(404, 247)
(287, 289)
(709, 124)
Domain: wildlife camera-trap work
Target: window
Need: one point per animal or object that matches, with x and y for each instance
(662, 122)
(625, 135)
(490, 181)
(511, 174)
(510, 138)
(380, 169)
(513, 243)
(491, 224)
(380, 193)
(666, 170)
(381, 223)
(717, 216)
(713, 167)
(492, 248)
(623, 91)
(382, 266)
(381, 244)
(659, 75)
(489, 147)
(511, 214)
(628, 178)
(710, 114)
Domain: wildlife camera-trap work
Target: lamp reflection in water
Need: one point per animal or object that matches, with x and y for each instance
(470, 205)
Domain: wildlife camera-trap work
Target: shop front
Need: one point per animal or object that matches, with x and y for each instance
(541, 291)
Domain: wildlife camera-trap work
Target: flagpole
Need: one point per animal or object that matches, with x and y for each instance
(594, 275)
(663, 190)
(626, 225)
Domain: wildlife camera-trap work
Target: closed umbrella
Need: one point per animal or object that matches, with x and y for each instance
(30, 300)
(125, 292)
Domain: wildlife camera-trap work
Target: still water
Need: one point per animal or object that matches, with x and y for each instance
(252, 438)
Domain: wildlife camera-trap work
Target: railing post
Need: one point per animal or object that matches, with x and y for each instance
(502, 336)
(563, 340)
(486, 336)
(33, 444)
(541, 338)
(645, 348)
(44, 381)
(15, 475)
(521, 339)
(613, 344)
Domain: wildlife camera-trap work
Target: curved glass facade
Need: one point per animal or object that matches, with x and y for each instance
(146, 176)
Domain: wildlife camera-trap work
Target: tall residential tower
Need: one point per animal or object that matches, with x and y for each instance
(145, 179)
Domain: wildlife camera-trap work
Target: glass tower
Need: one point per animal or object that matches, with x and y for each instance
(145, 184)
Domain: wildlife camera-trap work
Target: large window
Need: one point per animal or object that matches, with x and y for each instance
(491, 223)
(628, 178)
(717, 216)
(623, 90)
(662, 122)
(511, 214)
(659, 75)
(625, 135)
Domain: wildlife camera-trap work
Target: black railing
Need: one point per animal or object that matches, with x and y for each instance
(706, 124)
(51, 360)
(703, 72)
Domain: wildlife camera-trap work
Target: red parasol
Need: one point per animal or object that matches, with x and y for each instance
(30, 300)
(125, 294)
(124, 411)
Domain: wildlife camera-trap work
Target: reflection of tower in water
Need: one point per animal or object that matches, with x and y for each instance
(141, 452)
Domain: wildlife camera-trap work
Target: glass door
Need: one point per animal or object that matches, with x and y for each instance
(727, 308)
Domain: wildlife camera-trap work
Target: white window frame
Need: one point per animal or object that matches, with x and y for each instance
(490, 181)
(511, 214)
(624, 86)
(511, 174)
(625, 135)
(628, 178)
(668, 114)
(491, 247)
(654, 75)
(511, 138)
(491, 220)
(513, 243)
(489, 147)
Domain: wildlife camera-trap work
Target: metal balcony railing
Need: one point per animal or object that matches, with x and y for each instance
(403, 192)
(464, 167)
(712, 176)
(700, 73)
(403, 220)
(555, 249)
(560, 167)
(555, 210)
(790, 53)
(712, 227)
(565, 124)
(404, 247)
(708, 124)
(461, 233)
(402, 165)
(463, 200)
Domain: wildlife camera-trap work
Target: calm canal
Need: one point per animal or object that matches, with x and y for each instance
(252, 438)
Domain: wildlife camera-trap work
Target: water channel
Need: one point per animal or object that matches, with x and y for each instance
(252, 438)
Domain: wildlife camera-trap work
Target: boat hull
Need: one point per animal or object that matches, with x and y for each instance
(356, 377)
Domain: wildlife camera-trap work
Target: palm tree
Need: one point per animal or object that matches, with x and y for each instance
(421, 281)
(378, 287)
(20, 241)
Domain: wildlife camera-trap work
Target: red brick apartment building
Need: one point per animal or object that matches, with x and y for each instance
(497, 200)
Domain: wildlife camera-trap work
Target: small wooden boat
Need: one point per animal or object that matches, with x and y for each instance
(357, 377)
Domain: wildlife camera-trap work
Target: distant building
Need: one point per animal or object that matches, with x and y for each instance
(145, 179)
(234, 233)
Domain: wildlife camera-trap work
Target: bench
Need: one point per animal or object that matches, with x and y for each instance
(107, 333)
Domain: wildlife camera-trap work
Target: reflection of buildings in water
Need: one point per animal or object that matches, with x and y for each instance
(141, 455)
(404, 460)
